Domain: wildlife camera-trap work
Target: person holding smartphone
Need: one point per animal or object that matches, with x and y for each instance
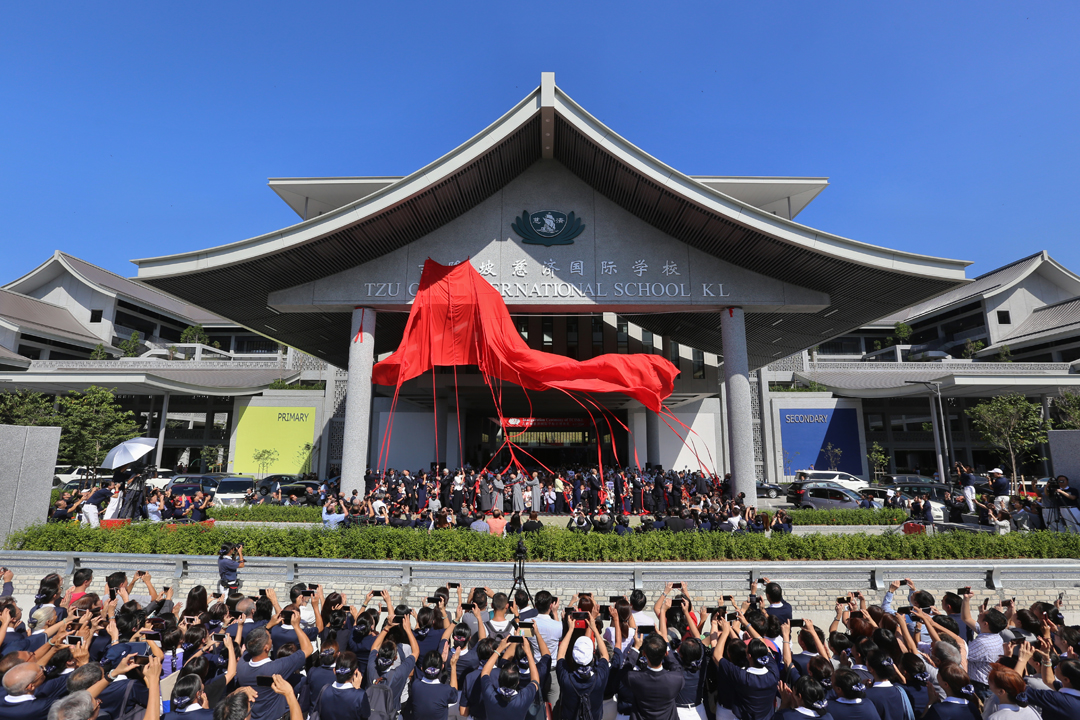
(269, 704)
(230, 560)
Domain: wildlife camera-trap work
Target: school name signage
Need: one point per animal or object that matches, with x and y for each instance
(806, 418)
(549, 289)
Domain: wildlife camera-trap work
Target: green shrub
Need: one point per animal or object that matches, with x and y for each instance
(551, 544)
(267, 513)
(278, 513)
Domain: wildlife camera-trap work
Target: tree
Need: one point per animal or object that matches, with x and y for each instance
(878, 458)
(903, 332)
(1011, 426)
(213, 456)
(303, 457)
(195, 334)
(1067, 409)
(92, 423)
(832, 454)
(26, 407)
(265, 458)
(99, 353)
(1004, 354)
(972, 348)
(132, 347)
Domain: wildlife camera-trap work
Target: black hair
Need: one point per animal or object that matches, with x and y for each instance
(184, 691)
(347, 665)
(654, 648)
(637, 600)
(812, 694)
(849, 683)
(542, 602)
(774, 592)
(995, 620)
(233, 707)
(82, 576)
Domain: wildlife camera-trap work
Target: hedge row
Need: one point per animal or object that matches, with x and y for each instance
(277, 513)
(552, 544)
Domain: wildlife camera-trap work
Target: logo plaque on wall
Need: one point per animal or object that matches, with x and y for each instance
(547, 228)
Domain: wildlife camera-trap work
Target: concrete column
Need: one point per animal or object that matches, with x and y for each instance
(354, 456)
(161, 430)
(942, 477)
(652, 438)
(740, 412)
(1047, 460)
(442, 421)
(768, 454)
(638, 442)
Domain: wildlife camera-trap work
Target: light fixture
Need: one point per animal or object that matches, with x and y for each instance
(778, 322)
(271, 329)
(276, 312)
(831, 312)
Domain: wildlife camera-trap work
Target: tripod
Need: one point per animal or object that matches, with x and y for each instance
(519, 571)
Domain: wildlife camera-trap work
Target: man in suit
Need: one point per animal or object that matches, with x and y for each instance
(654, 689)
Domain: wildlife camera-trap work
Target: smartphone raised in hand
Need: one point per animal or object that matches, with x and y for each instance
(451, 586)
(963, 591)
(614, 598)
(264, 681)
(798, 623)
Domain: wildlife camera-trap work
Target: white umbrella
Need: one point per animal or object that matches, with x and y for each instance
(128, 452)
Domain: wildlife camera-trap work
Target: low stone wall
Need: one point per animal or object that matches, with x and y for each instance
(811, 587)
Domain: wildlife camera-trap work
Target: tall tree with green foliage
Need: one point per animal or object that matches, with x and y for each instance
(1066, 410)
(903, 332)
(195, 334)
(878, 458)
(1012, 426)
(971, 348)
(93, 423)
(26, 407)
(99, 353)
(132, 347)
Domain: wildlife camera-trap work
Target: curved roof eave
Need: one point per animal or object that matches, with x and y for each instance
(784, 230)
(315, 228)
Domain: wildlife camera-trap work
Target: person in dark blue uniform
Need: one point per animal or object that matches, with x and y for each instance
(889, 699)
(188, 700)
(805, 700)
(343, 699)
(230, 559)
(917, 686)
(851, 702)
(582, 680)
(755, 686)
(501, 698)
(961, 702)
(430, 698)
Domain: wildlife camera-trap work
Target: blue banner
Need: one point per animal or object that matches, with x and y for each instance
(805, 432)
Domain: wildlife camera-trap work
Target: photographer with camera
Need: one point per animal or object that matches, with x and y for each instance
(967, 485)
(230, 559)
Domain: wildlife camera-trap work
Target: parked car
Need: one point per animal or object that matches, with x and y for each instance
(896, 479)
(185, 488)
(796, 491)
(65, 473)
(847, 480)
(233, 489)
(828, 496)
(206, 482)
(272, 483)
(768, 490)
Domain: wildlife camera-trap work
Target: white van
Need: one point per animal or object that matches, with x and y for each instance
(232, 490)
(847, 480)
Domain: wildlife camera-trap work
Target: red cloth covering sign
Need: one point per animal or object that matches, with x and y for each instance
(546, 423)
(458, 318)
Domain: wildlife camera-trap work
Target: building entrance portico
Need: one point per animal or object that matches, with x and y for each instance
(594, 246)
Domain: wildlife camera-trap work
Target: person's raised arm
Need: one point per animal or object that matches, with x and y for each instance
(564, 645)
(965, 612)
(302, 638)
(617, 625)
(282, 687)
(230, 647)
(659, 605)
(495, 657)
(453, 672)
(407, 625)
(273, 599)
(317, 602)
(534, 674)
(721, 642)
(821, 650)
(600, 644)
(785, 634)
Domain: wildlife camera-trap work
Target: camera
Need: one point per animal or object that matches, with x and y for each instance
(521, 552)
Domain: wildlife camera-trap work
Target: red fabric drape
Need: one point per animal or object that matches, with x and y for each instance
(458, 318)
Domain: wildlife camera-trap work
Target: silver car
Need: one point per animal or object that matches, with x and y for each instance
(828, 496)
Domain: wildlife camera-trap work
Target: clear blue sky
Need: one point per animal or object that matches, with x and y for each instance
(133, 129)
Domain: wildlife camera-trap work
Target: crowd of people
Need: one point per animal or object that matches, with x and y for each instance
(124, 649)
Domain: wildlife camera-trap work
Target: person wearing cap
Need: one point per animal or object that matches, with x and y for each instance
(584, 680)
(999, 484)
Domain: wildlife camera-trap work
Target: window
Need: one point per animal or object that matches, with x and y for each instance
(674, 353)
(571, 337)
(699, 365)
(597, 335)
(29, 351)
(548, 331)
(875, 423)
(95, 316)
(523, 327)
(622, 335)
(646, 341)
(1003, 317)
